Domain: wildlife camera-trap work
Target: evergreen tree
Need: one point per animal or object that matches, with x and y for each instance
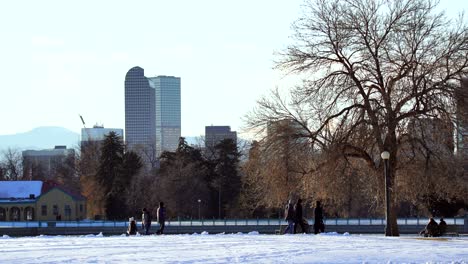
(116, 170)
(228, 179)
(182, 176)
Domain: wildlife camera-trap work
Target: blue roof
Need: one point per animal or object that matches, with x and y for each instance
(19, 189)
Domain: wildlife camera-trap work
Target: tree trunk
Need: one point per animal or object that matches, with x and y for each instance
(392, 217)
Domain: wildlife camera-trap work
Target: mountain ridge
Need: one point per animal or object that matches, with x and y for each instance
(47, 137)
(43, 137)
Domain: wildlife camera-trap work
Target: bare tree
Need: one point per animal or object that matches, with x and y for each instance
(276, 165)
(88, 164)
(148, 154)
(11, 165)
(372, 67)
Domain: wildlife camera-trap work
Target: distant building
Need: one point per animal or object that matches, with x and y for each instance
(436, 134)
(152, 112)
(48, 163)
(39, 201)
(215, 134)
(98, 133)
(168, 112)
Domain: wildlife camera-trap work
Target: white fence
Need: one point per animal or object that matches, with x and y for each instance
(228, 222)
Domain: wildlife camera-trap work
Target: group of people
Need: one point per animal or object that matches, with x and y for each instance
(293, 215)
(433, 229)
(146, 221)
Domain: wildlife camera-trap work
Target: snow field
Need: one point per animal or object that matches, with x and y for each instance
(233, 248)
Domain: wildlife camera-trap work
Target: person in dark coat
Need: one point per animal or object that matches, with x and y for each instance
(289, 217)
(319, 226)
(146, 221)
(431, 229)
(298, 217)
(161, 218)
(132, 228)
(442, 227)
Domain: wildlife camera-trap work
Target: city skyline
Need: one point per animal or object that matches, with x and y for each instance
(57, 65)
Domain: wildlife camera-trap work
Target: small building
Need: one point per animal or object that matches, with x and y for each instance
(39, 201)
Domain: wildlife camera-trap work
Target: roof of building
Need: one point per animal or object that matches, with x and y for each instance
(49, 185)
(20, 189)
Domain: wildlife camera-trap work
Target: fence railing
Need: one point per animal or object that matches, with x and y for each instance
(227, 222)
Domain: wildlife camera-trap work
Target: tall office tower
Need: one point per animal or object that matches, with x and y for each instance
(168, 112)
(140, 111)
(214, 135)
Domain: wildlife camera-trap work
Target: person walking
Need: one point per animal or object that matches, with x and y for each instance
(132, 228)
(319, 226)
(161, 218)
(298, 217)
(146, 221)
(289, 217)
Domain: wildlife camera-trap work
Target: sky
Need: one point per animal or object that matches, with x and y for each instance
(61, 59)
(233, 248)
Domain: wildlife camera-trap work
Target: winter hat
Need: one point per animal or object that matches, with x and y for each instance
(131, 219)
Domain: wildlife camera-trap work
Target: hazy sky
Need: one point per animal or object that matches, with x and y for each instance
(59, 59)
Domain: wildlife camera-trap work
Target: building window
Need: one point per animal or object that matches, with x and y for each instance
(55, 210)
(2, 214)
(44, 210)
(67, 210)
(15, 214)
(81, 208)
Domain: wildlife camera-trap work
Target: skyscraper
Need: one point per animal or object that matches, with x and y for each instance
(152, 111)
(168, 112)
(214, 135)
(140, 129)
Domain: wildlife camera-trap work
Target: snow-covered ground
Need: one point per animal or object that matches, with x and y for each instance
(233, 248)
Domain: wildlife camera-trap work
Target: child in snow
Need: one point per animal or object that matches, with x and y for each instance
(132, 228)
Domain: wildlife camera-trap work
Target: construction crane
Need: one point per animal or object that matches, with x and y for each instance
(84, 126)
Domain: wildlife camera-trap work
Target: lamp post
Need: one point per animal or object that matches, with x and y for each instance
(199, 201)
(388, 229)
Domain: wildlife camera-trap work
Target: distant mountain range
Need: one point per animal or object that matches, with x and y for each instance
(40, 138)
(48, 137)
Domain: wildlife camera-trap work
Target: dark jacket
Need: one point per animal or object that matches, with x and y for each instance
(161, 214)
(318, 212)
(442, 227)
(289, 212)
(298, 212)
(432, 228)
(146, 218)
(132, 228)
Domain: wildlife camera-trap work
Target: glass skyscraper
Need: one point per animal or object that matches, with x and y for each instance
(168, 112)
(152, 111)
(140, 123)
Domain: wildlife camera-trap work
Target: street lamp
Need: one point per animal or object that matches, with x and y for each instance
(199, 201)
(388, 228)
